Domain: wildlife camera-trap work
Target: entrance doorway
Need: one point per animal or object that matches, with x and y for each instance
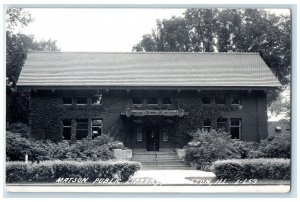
(152, 139)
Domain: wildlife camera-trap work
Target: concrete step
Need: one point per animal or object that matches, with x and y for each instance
(164, 160)
(164, 163)
(153, 153)
(153, 159)
(167, 168)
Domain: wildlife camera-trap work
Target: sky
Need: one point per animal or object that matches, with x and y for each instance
(104, 30)
(98, 30)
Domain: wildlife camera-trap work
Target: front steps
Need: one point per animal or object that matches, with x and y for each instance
(160, 160)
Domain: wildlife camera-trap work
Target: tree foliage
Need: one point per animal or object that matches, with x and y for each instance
(17, 47)
(17, 18)
(223, 30)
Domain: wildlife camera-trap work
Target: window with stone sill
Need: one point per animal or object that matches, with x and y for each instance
(97, 100)
(67, 100)
(207, 124)
(235, 128)
(81, 100)
(206, 100)
(67, 125)
(152, 101)
(220, 100)
(82, 129)
(222, 124)
(235, 100)
(96, 128)
(166, 101)
(137, 100)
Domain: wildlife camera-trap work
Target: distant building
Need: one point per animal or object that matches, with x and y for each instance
(278, 127)
(147, 100)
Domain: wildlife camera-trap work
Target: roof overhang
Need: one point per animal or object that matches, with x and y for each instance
(197, 88)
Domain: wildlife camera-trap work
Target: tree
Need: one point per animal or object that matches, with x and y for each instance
(223, 30)
(170, 35)
(17, 18)
(17, 47)
(281, 107)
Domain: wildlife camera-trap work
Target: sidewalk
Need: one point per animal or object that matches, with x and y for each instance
(178, 177)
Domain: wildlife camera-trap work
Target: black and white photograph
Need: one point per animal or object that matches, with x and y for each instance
(172, 100)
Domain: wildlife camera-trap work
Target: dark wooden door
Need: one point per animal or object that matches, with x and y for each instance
(152, 138)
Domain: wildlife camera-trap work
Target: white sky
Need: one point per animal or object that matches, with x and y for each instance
(100, 30)
(96, 29)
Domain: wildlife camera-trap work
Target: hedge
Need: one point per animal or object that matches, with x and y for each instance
(240, 169)
(98, 149)
(50, 171)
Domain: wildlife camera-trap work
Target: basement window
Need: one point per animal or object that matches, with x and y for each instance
(81, 100)
(67, 129)
(96, 128)
(235, 128)
(67, 100)
(82, 129)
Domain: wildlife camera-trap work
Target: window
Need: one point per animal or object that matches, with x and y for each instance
(235, 128)
(152, 101)
(139, 135)
(165, 135)
(81, 100)
(206, 100)
(96, 128)
(67, 100)
(235, 100)
(207, 124)
(278, 129)
(166, 101)
(220, 100)
(82, 129)
(67, 129)
(137, 100)
(96, 100)
(222, 124)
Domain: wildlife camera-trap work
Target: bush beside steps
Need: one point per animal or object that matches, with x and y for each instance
(50, 171)
(237, 169)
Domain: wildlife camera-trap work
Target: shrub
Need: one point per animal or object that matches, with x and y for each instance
(17, 147)
(20, 128)
(247, 149)
(278, 146)
(50, 171)
(240, 169)
(101, 148)
(16, 171)
(209, 146)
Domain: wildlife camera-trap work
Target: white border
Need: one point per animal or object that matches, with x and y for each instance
(271, 3)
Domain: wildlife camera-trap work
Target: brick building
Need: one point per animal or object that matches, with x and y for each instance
(147, 100)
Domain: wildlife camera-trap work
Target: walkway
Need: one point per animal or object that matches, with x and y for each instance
(173, 177)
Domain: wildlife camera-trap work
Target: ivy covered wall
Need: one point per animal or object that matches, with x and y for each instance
(47, 112)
